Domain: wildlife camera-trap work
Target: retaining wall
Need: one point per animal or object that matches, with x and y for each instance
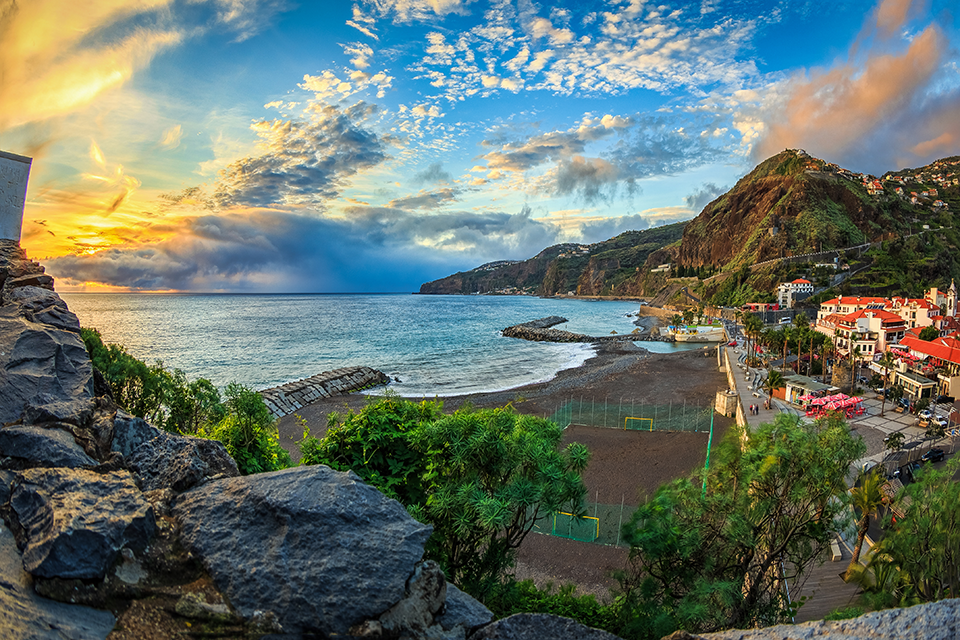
(293, 396)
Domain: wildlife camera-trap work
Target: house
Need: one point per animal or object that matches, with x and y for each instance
(790, 292)
(866, 332)
(933, 193)
(940, 204)
(942, 360)
(916, 312)
(946, 300)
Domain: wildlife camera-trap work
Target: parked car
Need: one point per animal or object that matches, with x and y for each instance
(904, 402)
(934, 455)
(945, 400)
(926, 414)
(940, 420)
(732, 343)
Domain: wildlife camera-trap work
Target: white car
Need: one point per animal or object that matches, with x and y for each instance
(926, 414)
(940, 420)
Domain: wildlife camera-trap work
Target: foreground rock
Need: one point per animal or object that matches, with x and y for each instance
(26, 616)
(935, 621)
(75, 522)
(317, 547)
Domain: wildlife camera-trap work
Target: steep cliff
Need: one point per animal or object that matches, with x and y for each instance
(603, 268)
(789, 204)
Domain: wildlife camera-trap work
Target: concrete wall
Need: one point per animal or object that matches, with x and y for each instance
(293, 396)
(14, 171)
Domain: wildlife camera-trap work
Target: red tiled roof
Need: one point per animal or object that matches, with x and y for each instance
(801, 281)
(935, 348)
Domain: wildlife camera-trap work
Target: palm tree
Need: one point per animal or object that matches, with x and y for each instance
(752, 326)
(786, 338)
(866, 498)
(676, 319)
(774, 381)
(887, 362)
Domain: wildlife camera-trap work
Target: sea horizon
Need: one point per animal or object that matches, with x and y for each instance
(429, 345)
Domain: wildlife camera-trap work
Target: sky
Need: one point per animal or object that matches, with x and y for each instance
(371, 146)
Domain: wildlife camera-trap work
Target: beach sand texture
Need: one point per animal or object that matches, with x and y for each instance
(624, 465)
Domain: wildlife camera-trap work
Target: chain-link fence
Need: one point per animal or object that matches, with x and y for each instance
(638, 416)
(600, 523)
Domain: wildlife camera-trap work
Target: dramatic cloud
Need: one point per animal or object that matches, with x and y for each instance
(58, 57)
(302, 161)
(703, 196)
(865, 114)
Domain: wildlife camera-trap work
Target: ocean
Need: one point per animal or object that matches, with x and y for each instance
(433, 345)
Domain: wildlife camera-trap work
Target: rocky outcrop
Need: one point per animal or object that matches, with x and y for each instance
(26, 616)
(319, 548)
(935, 621)
(293, 396)
(75, 522)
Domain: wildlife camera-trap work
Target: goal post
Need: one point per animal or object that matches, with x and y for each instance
(583, 528)
(638, 424)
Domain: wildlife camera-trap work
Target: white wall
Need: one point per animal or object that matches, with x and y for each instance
(14, 171)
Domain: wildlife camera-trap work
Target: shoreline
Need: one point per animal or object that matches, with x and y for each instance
(608, 373)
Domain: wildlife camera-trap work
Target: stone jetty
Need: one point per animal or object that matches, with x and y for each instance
(293, 396)
(540, 331)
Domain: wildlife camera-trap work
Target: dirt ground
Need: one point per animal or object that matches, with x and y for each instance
(624, 465)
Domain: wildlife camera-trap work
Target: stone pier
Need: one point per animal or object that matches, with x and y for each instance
(293, 396)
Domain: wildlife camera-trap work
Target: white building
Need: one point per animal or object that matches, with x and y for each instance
(789, 292)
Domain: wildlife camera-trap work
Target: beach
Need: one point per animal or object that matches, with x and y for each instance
(625, 466)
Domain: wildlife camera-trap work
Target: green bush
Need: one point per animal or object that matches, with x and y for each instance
(510, 597)
(248, 432)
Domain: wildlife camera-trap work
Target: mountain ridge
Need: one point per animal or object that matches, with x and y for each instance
(790, 204)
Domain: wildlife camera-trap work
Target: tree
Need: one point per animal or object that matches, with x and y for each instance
(866, 499)
(894, 441)
(490, 476)
(482, 478)
(135, 385)
(248, 432)
(712, 551)
(773, 382)
(688, 316)
(925, 543)
(895, 393)
(676, 319)
(190, 405)
(752, 326)
(929, 333)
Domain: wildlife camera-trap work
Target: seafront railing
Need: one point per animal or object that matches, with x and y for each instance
(633, 415)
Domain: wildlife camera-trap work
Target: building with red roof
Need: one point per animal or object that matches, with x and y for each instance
(790, 292)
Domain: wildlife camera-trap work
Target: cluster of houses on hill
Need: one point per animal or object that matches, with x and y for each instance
(865, 327)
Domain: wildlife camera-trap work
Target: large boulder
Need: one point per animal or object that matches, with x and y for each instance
(47, 408)
(318, 548)
(75, 522)
(161, 459)
(39, 359)
(26, 616)
(180, 462)
(32, 446)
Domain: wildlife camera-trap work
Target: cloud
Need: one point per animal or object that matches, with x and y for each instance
(57, 57)
(433, 173)
(703, 196)
(889, 108)
(607, 53)
(171, 137)
(370, 249)
(425, 199)
(404, 11)
(303, 161)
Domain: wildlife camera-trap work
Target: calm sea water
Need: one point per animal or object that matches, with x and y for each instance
(435, 345)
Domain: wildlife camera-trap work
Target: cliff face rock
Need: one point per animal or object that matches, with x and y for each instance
(586, 269)
(786, 206)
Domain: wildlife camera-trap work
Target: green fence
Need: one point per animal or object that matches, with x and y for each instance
(600, 523)
(637, 416)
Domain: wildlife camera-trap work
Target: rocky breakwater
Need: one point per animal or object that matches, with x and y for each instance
(112, 527)
(293, 396)
(540, 331)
